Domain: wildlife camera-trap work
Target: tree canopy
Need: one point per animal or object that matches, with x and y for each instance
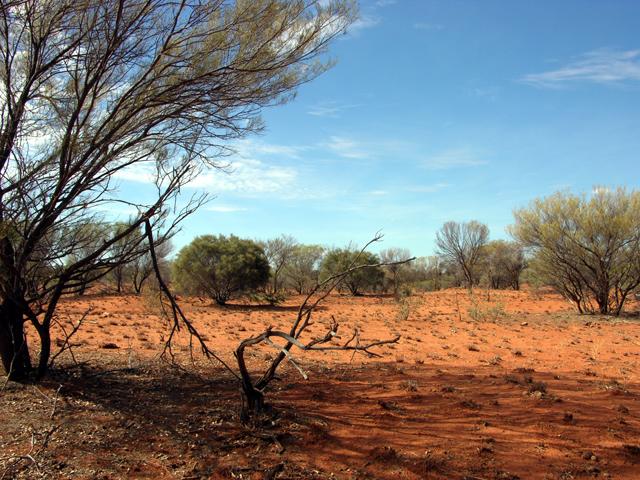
(462, 244)
(220, 267)
(96, 90)
(587, 247)
(358, 281)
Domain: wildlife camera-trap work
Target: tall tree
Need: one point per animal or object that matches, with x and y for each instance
(462, 243)
(279, 252)
(96, 89)
(396, 271)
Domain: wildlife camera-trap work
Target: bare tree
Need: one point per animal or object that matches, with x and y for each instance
(279, 252)
(140, 269)
(397, 270)
(94, 89)
(253, 390)
(462, 243)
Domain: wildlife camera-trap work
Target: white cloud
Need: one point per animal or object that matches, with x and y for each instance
(378, 193)
(247, 177)
(602, 66)
(141, 172)
(385, 3)
(249, 148)
(347, 148)
(329, 109)
(363, 23)
(222, 208)
(117, 209)
(454, 158)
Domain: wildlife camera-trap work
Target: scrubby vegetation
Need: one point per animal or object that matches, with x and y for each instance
(588, 248)
(220, 267)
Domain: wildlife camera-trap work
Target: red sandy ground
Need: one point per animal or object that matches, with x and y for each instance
(515, 387)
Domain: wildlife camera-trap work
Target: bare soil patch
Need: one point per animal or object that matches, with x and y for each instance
(514, 386)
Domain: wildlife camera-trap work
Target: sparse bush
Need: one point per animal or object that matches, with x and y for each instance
(503, 263)
(588, 248)
(302, 271)
(486, 313)
(220, 267)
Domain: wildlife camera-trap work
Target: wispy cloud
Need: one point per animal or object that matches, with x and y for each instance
(363, 23)
(378, 193)
(435, 187)
(244, 176)
(385, 3)
(433, 27)
(487, 93)
(346, 147)
(454, 158)
(247, 177)
(142, 172)
(223, 208)
(602, 66)
(250, 148)
(330, 109)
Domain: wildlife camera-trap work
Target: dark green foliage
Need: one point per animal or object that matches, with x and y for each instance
(358, 281)
(220, 267)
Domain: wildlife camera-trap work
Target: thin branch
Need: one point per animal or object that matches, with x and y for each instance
(178, 315)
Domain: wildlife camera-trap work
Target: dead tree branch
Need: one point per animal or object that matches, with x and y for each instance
(253, 392)
(177, 315)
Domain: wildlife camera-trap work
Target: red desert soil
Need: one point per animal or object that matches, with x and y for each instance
(515, 387)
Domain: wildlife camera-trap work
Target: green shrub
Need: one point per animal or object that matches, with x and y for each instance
(220, 267)
(363, 279)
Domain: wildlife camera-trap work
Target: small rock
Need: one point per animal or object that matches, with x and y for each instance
(524, 324)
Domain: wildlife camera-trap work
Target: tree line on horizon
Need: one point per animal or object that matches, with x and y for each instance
(587, 249)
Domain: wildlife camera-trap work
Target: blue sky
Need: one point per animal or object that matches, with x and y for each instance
(441, 110)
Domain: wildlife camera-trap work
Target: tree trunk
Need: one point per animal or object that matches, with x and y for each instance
(45, 351)
(14, 350)
(252, 398)
(602, 299)
(252, 403)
